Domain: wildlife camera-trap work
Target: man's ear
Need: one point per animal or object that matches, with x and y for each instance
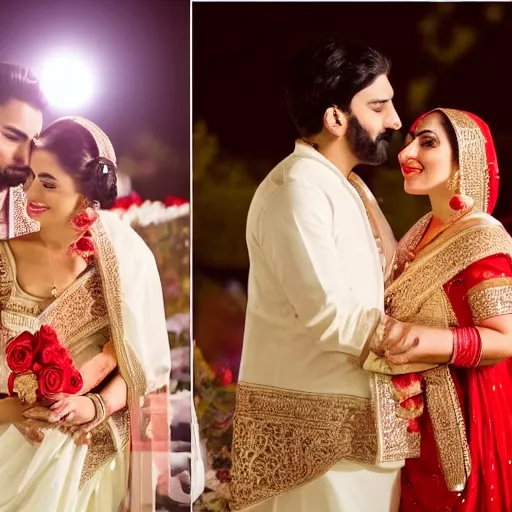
(335, 121)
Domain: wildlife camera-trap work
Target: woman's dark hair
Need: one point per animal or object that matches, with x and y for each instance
(452, 137)
(18, 83)
(78, 153)
(326, 74)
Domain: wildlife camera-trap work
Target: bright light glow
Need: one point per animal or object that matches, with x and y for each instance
(67, 82)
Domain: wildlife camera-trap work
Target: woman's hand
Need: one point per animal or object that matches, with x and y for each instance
(73, 410)
(393, 340)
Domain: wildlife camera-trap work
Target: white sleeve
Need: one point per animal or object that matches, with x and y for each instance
(296, 236)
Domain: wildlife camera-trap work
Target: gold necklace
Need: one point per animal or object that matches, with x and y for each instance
(53, 291)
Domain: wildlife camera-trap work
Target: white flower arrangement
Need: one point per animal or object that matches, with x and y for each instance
(152, 212)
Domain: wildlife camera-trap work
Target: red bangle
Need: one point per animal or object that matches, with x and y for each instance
(467, 347)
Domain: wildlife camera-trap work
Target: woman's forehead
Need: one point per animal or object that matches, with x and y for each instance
(432, 121)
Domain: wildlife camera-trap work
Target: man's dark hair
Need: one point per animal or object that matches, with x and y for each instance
(329, 73)
(18, 83)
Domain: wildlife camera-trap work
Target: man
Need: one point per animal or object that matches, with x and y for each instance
(21, 119)
(310, 431)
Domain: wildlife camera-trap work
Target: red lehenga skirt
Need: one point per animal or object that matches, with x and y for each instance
(485, 395)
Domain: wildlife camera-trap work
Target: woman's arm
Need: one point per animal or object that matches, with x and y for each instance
(481, 299)
(79, 410)
(436, 345)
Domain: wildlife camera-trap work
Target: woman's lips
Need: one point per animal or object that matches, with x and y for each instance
(408, 171)
(34, 209)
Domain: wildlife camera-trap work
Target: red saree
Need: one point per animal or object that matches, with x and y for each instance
(484, 395)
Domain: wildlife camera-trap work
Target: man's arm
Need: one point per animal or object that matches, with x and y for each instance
(297, 239)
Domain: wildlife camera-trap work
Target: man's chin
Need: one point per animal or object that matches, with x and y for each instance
(375, 160)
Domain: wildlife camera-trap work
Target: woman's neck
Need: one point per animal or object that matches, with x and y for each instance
(440, 204)
(57, 238)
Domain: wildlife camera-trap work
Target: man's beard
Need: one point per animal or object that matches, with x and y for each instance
(14, 175)
(368, 151)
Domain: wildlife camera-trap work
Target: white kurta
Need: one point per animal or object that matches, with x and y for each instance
(315, 276)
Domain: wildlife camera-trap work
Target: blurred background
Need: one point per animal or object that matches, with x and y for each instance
(126, 66)
(444, 55)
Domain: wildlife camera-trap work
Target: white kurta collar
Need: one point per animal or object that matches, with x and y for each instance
(304, 150)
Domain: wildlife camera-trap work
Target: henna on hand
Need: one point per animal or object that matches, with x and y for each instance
(32, 430)
(393, 340)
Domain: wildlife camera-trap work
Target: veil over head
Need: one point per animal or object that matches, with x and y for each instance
(478, 173)
(133, 293)
(105, 147)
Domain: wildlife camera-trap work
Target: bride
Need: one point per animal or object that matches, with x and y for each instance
(92, 279)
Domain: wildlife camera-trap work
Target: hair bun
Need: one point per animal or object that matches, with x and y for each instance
(102, 183)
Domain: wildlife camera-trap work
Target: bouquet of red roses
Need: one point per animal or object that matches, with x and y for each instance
(40, 366)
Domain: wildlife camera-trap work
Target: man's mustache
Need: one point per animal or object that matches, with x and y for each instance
(386, 136)
(14, 175)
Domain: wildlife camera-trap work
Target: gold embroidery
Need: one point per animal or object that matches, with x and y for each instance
(382, 232)
(489, 298)
(109, 438)
(6, 277)
(25, 386)
(108, 266)
(83, 299)
(464, 243)
(408, 244)
(417, 296)
(101, 451)
(472, 175)
(77, 315)
(395, 442)
(451, 317)
(449, 427)
(284, 439)
(19, 221)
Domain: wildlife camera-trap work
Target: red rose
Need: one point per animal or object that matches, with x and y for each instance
(49, 350)
(55, 355)
(20, 353)
(10, 383)
(224, 377)
(84, 221)
(174, 201)
(51, 380)
(123, 203)
(75, 383)
(85, 244)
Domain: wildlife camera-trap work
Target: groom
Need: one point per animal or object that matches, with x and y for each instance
(306, 435)
(21, 119)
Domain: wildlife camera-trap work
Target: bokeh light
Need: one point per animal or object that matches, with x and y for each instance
(67, 82)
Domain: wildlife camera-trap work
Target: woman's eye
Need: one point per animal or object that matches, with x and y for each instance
(48, 185)
(429, 143)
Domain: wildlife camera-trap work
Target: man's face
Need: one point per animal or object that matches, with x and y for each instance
(372, 122)
(19, 124)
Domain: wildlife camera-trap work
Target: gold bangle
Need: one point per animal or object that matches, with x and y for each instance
(100, 406)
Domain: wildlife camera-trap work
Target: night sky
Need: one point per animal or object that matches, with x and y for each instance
(240, 53)
(140, 51)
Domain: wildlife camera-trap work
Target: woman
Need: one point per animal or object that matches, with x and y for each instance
(454, 269)
(92, 279)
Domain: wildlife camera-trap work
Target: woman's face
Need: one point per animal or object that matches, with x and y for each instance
(427, 161)
(52, 196)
